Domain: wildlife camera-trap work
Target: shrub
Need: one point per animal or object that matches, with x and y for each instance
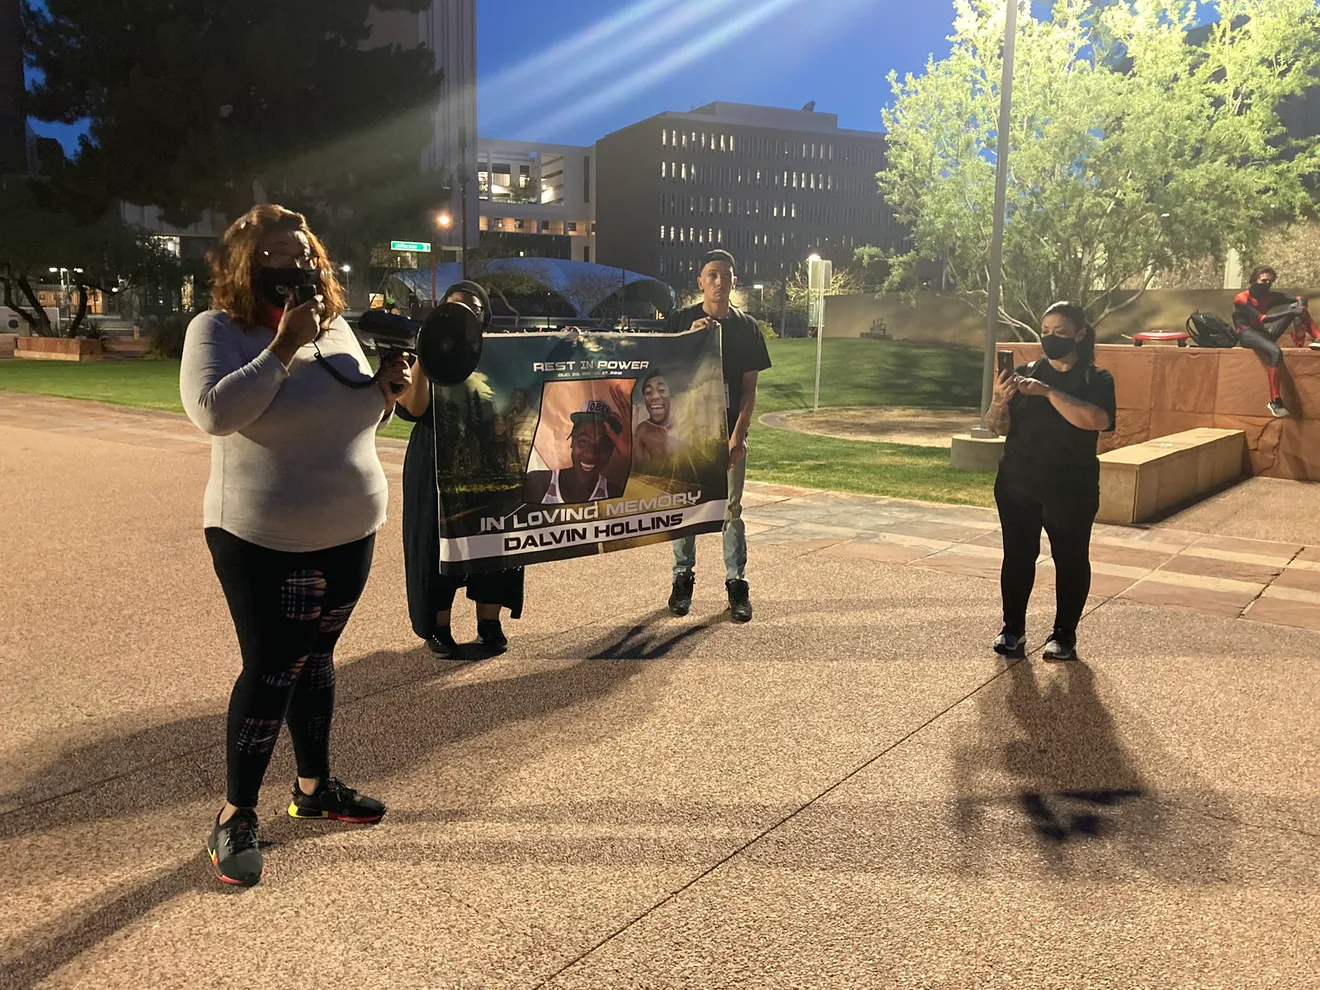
(165, 335)
(767, 329)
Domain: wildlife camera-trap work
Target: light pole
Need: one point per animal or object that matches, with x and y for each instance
(442, 220)
(463, 185)
(1001, 202)
(760, 296)
(819, 276)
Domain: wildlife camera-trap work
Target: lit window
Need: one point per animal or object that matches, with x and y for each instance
(794, 208)
(664, 138)
(662, 233)
(664, 170)
(499, 223)
(684, 166)
(703, 140)
(722, 148)
(684, 140)
(572, 226)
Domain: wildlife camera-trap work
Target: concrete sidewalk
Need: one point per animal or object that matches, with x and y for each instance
(848, 792)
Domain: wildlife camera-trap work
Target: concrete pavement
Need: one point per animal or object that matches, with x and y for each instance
(849, 792)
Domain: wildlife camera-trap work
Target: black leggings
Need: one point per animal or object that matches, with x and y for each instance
(289, 610)
(1067, 517)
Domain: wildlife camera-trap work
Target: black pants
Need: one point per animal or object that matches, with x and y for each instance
(289, 610)
(1067, 517)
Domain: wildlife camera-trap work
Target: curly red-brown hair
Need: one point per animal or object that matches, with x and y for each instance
(233, 264)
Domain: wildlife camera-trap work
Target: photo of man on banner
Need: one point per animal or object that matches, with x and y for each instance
(599, 449)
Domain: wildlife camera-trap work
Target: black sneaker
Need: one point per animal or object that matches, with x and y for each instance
(491, 634)
(740, 602)
(1277, 409)
(233, 850)
(337, 802)
(1059, 648)
(680, 599)
(1011, 645)
(442, 643)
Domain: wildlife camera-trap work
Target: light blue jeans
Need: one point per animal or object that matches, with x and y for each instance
(735, 533)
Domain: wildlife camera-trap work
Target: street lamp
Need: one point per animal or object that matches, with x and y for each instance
(442, 220)
(760, 296)
(1001, 201)
(820, 275)
(64, 290)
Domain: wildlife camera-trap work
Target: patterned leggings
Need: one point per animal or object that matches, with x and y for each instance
(289, 610)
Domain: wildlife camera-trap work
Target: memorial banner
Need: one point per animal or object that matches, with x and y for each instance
(572, 444)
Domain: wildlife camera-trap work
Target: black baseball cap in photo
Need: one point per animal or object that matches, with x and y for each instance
(596, 411)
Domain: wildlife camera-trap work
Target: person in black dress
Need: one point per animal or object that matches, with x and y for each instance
(430, 593)
(1051, 413)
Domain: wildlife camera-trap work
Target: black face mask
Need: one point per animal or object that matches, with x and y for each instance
(273, 284)
(1259, 289)
(1055, 347)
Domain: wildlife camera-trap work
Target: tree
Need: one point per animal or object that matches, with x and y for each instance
(1135, 150)
(190, 109)
(844, 281)
(105, 254)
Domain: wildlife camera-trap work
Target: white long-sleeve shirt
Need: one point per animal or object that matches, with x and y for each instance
(293, 456)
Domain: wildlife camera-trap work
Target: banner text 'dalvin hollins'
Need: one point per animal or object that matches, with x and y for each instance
(558, 515)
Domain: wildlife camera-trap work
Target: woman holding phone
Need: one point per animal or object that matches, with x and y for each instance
(1051, 413)
(430, 593)
(295, 497)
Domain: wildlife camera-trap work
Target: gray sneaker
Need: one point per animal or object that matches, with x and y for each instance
(1009, 645)
(1056, 650)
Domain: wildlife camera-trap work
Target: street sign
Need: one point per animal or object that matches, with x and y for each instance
(421, 247)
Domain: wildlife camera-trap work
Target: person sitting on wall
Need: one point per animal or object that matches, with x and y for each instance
(1262, 316)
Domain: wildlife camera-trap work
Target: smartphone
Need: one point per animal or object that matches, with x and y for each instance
(1005, 359)
(300, 294)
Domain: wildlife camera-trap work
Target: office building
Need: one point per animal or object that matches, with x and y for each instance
(537, 200)
(770, 185)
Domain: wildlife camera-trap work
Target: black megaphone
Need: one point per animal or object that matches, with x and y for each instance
(447, 343)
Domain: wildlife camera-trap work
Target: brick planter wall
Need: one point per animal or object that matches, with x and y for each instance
(58, 349)
(1162, 389)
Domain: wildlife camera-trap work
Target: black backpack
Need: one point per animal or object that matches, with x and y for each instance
(1208, 330)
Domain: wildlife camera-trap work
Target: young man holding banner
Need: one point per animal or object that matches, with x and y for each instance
(745, 357)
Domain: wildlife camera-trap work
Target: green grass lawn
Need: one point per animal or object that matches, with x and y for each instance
(853, 373)
(869, 373)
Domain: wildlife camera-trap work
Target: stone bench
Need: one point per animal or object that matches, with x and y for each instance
(1143, 480)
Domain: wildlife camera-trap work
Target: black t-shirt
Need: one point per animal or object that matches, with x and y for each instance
(744, 350)
(1043, 448)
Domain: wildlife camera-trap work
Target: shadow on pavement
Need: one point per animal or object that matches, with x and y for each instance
(1054, 755)
(441, 713)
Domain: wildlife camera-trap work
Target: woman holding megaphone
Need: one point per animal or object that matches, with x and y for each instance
(295, 498)
(430, 593)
